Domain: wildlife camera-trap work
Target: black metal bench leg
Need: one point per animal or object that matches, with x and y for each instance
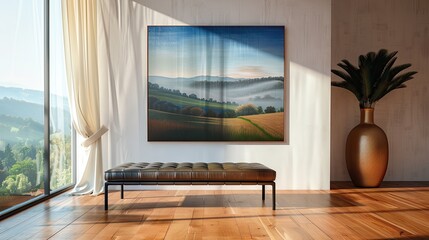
(106, 195)
(263, 192)
(122, 191)
(274, 195)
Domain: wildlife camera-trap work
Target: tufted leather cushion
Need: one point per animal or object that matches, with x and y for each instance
(190, 172)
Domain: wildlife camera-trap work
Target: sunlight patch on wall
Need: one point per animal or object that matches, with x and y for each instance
(310, 124)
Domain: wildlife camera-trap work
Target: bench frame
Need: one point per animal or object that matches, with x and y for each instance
(122, 183)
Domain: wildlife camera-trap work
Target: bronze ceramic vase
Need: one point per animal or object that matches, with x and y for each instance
(367, 152)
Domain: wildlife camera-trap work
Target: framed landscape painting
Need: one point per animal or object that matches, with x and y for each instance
(216, 83)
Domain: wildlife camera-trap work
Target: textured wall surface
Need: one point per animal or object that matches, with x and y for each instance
(301, 163)
(360, 26)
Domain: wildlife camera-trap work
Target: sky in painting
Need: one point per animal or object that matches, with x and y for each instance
(226, 51)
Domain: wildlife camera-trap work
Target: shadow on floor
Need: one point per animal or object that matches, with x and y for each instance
(292, 200)
(387, 184)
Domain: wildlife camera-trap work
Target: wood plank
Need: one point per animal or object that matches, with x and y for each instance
(312, 230)
(179, 228)
(344, 212)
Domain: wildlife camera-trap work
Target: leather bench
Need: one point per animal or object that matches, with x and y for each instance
(200, 173)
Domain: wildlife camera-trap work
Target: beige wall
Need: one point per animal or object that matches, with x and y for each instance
(301, 163)
(359, 26)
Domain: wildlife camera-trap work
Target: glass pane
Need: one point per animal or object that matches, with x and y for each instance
(60, 159)
(21, 101)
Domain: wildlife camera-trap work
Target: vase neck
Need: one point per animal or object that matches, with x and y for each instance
(367, 115)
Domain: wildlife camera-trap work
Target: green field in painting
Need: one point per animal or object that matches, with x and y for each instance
(187, 101)
(165, 126)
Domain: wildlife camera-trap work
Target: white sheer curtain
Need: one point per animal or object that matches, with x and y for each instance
(122, 67)
(80, 37)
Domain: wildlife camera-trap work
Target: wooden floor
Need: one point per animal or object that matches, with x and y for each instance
(394, 211)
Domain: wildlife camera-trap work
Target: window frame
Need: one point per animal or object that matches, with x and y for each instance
(47, 138)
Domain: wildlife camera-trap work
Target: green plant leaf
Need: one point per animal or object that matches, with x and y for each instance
(347, 86)
(398, 82)
(398, 69)
(374, 77)
(383, 82)
(352, 71)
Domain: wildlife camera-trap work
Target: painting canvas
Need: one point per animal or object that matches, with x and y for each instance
(216, 83)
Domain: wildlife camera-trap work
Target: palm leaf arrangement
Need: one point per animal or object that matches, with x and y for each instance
(375, 77)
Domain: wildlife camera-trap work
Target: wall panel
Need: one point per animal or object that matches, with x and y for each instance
(302, 162)
(359, 26)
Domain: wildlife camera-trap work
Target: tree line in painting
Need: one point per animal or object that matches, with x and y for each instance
(210, 107)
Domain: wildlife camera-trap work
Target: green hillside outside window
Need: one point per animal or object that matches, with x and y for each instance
(33, 104)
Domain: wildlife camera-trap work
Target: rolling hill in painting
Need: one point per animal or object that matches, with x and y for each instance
(216, 109)
(262, 92)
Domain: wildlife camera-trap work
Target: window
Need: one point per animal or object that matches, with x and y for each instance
(23, 88)
(61, 167)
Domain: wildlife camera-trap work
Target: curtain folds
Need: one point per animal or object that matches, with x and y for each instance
(80, 36)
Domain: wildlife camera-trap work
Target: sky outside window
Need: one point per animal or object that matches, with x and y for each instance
(21, 44)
